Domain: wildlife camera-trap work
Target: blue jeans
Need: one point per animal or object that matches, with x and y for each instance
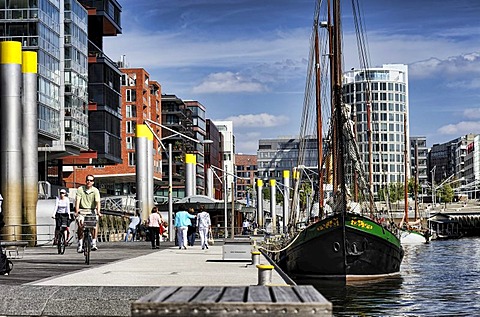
(133, 232)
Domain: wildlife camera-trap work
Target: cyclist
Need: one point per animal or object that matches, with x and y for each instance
(87, 201)
(61, 213)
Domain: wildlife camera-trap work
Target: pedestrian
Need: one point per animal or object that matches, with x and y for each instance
(182, 221)
(154, 223)
(192, 229)
(87, 202)
(133, 226)
(204, 226)
(245, 227)
(61, 214)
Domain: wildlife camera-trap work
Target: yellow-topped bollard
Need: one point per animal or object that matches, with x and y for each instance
(264, 274)
(255, 257)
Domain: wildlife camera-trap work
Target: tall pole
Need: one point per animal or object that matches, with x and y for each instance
(286, 199)
(170, 198)
(143, 134)
(225, 207)
(232, 214)
(260, 203)
(30, 145)
(11, 171)
(273, 204)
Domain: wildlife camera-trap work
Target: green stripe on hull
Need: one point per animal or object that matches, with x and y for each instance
(354, 222)
(366, 225)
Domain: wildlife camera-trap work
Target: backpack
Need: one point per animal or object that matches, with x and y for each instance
(5, 265)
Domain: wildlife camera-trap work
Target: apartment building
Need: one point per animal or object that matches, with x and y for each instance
(246, 171)
(419, 159)
(380, 96)
(214, 158)
(141, 99)
(228, 152)
(104, 117)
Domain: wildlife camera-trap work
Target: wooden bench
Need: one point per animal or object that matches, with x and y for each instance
(245, 301)
(13, 249)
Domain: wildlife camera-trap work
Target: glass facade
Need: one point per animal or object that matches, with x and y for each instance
(36, 24)
(76, 74)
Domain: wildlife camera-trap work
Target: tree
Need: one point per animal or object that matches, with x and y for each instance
(446, 194)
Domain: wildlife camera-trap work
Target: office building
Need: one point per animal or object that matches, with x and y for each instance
(380, 96)
(277, 155)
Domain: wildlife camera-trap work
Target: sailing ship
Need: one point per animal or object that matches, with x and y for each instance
(351, 239)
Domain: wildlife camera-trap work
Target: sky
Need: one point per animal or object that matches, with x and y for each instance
(246, 60)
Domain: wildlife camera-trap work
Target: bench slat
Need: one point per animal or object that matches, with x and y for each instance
(234, 294)
(259, 294)
(208, 295)
(308, 294)
(183, 294)
(285, 295)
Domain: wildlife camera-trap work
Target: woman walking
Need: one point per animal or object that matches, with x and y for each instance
(154, 223)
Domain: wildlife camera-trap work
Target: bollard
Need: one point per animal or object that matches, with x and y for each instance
(255, 257)
(264, 274)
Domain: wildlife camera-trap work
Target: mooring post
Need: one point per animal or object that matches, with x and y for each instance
(264, 274)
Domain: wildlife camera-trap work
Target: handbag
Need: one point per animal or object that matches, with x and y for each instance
(210, 240)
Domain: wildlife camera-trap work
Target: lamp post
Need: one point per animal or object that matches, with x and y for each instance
(433, 184)
(170, 164)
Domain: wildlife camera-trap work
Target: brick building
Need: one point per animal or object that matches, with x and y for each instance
(141, 99)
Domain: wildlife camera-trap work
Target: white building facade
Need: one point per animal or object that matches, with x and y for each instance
(380, 96)
(226, 129)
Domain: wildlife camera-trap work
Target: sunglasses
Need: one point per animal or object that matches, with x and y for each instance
(90, 180)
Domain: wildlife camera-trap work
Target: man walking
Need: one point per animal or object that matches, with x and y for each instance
(87, 201)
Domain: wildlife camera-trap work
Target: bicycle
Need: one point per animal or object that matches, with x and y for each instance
(61, 240)
(90, 222)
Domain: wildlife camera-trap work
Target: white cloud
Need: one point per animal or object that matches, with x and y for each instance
(460, 65)
(460, 128)
(472, 113)
(262, 120)
(227, 82)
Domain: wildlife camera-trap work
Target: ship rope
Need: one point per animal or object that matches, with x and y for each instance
(285, 247)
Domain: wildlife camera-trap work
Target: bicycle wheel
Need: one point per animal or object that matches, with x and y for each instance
(61, 242)
(87, 247)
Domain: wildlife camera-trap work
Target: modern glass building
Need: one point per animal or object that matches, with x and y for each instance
(382, 94)
(37, 25)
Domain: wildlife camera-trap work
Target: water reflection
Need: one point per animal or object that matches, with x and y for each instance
(437, 279)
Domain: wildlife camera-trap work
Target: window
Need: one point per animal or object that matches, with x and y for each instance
(131, 111)
(131, 126)
(130, 95)
(131, 159)
(129, 143)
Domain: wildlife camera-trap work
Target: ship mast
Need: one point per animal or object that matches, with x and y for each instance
(319, 123)
(336, 73)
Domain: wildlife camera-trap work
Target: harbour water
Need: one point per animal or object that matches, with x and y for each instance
(441, 278)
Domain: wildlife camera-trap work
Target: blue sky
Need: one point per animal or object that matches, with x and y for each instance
(245, 60)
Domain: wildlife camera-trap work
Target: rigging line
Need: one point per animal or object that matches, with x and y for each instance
(361, 35)
(285, 247)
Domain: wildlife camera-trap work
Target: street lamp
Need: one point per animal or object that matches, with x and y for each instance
(170, 182)
(433, 185)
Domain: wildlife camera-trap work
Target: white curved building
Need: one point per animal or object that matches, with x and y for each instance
(389, 106)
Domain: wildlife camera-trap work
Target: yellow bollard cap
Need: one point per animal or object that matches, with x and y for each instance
(256, 252)
(265, 267)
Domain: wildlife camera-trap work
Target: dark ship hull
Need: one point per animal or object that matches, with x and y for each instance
(354, 248)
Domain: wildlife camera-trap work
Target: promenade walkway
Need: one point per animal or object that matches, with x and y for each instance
(45, 283)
